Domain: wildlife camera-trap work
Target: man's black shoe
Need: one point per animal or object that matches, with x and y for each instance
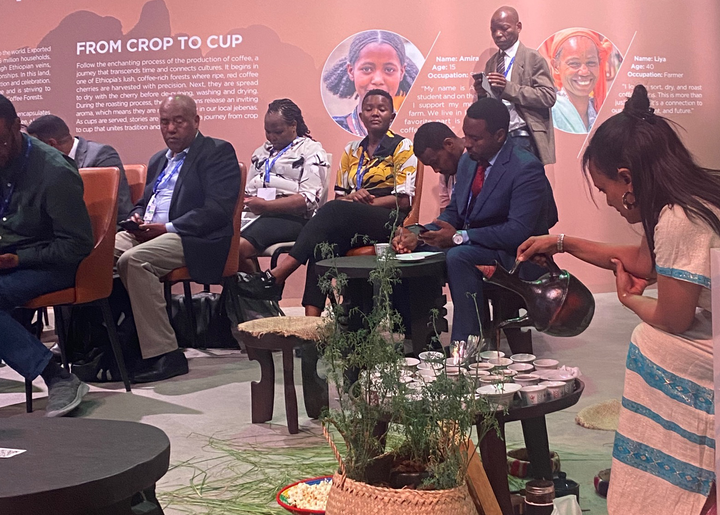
(162, 367)
(260, 286)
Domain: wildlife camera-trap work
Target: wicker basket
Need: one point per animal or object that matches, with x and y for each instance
(348, 497)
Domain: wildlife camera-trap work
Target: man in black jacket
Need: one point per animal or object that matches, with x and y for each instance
(185, 218)
(45, 232)
(54, 131)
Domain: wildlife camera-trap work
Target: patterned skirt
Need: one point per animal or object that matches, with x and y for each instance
(664, 452)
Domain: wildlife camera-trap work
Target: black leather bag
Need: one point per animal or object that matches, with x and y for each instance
(243, 309)
(213, 324)
(88, 345)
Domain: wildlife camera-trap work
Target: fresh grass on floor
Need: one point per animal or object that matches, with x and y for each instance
(244, 479)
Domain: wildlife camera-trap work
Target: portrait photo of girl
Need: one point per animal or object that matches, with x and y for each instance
(372, 59)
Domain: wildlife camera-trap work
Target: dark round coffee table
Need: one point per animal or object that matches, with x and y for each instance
(494, 453)
(421, 282)
(492, 446)
(78, 466)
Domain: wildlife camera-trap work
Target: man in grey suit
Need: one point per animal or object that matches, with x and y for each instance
(52, 130)
(521, 78)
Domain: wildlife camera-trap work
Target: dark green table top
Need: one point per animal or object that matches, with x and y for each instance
(358, 267)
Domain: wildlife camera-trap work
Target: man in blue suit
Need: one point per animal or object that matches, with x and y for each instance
(501, 198)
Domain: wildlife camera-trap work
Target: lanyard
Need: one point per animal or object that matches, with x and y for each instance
(163, 180)
(269, 164)
(467, 209)
(360, 174)
(5, 206)
(509, 66)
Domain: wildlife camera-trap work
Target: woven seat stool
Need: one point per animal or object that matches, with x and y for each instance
(265, 335)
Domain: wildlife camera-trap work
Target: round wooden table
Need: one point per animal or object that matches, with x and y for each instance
(421, 282)
(492, 446)
(494, 453)
(79, 466)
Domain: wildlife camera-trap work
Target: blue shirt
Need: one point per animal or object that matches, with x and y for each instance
(163, 196)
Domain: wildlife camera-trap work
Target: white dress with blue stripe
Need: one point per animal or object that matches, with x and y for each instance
(664, 452)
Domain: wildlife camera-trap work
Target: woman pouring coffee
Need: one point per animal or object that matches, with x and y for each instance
(664, 452)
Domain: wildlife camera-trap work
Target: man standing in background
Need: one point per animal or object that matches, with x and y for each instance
(53, 130)
(521, 78)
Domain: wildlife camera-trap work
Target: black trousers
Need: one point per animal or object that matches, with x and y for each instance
(273, 228)
(338, 223)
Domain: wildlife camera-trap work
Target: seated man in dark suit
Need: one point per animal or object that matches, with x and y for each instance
(185, 218)
(501, 196)
(45, 233)
(54, 131)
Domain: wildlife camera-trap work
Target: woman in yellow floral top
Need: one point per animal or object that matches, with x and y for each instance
(376, 183)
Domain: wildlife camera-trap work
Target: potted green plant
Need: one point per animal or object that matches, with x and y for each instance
(405, 440)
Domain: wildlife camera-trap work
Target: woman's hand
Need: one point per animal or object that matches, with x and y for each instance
(362, 195)
(538, 248)
(626, 283)
(256, 204)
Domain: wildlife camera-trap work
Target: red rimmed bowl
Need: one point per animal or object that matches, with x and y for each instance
(283, 501)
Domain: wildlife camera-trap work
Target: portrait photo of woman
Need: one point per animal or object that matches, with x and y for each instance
(584, 64)
(372, 59)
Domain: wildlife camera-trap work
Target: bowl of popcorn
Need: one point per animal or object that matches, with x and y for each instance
(306, 496)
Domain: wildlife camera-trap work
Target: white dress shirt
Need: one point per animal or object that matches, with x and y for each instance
(516, 121)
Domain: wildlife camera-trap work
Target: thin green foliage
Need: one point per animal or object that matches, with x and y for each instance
(366, 364)
(244, 479)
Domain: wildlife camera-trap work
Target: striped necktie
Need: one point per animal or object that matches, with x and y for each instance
(500, 68)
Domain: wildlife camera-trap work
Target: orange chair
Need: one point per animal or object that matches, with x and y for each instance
(182, 274)
(94, 277)
(411, 218)
(136, 177)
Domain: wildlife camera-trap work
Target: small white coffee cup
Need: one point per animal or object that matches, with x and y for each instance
(556, 389)
(546, 363)
(533, 394)
(527, 379)
(383, 251)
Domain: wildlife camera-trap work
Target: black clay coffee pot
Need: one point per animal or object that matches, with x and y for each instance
(557, 303)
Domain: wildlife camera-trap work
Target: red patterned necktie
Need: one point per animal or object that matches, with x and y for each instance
(479, 178)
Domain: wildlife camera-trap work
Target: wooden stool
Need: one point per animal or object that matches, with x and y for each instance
(265, 335)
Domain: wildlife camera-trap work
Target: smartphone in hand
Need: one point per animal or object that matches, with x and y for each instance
(129, 225)
(417, 229)
(478, 76)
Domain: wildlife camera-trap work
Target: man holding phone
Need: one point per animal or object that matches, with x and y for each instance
(185, 218)
(501, 195)
(521, 78)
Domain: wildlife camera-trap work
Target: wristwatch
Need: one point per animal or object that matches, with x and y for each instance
(457, 238)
